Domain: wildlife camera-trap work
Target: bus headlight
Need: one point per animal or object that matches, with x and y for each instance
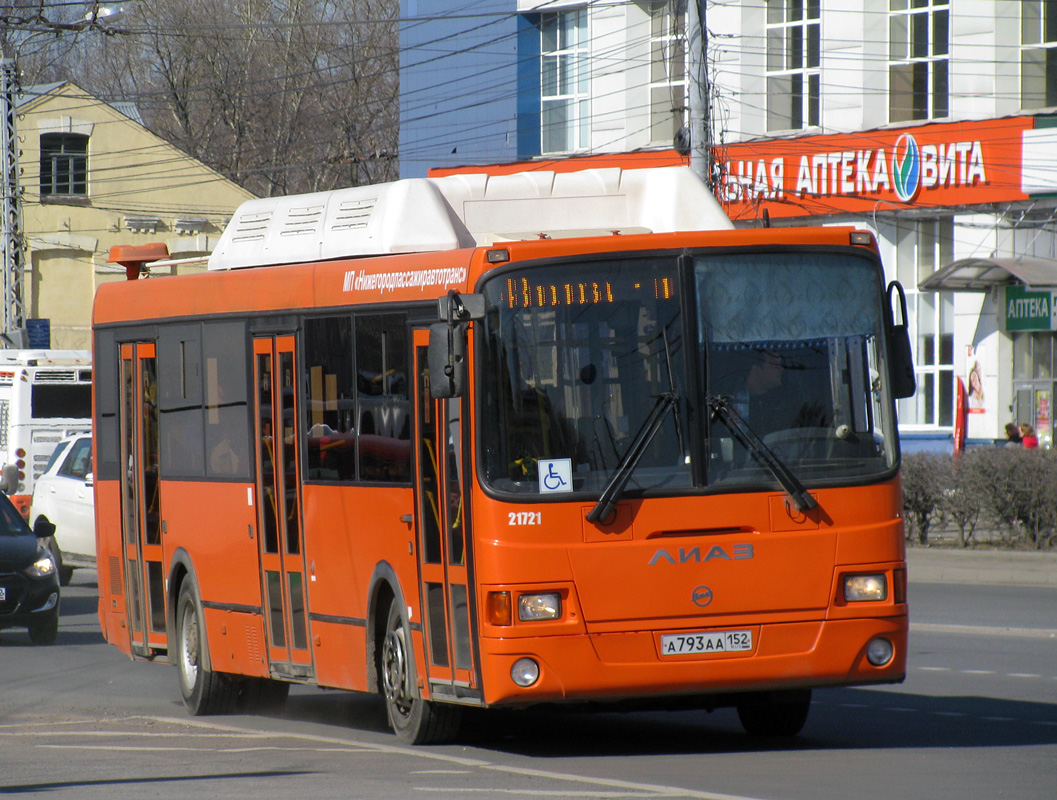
(532, 607)
(525, 672)
(865, 588)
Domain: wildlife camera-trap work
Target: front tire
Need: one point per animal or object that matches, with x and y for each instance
(775, 713)
(413, 720)
(204, 691)
(45, 631)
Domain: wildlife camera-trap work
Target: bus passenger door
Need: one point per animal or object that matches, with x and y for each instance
(140, 512)
(279, 506)
(442, 532)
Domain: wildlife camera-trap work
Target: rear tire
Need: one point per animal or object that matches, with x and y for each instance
(775, 713)
(413, 720)
(204, 691)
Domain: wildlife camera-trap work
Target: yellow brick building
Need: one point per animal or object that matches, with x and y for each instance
(93, 176)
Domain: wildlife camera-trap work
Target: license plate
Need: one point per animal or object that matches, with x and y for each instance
(686, 644)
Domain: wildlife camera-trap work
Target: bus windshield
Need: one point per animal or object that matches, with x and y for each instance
(586, 375)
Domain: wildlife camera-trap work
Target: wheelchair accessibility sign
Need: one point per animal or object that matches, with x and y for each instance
(556, 475)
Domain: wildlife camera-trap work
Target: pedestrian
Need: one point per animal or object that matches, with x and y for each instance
(1012, 436)
(1028, 437)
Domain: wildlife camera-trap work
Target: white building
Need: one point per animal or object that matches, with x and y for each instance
(931, 122)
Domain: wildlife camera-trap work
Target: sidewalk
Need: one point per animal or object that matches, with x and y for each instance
(1004, 567)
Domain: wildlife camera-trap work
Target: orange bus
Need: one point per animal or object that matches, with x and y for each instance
(505, 441)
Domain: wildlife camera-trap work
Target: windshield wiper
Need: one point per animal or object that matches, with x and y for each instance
(603, 510)
(722, 409)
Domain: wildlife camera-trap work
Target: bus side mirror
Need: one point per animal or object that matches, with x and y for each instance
(900, 359)
(447, 343)
(447, 360)
(9, 479)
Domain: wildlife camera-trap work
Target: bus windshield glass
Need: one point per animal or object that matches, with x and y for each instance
(793, 343)
(578, 356)
(587, 384)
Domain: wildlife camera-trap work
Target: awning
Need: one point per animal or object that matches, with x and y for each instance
(981, 274)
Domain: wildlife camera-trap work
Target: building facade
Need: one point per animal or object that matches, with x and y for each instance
(92, 177)
(932, 123)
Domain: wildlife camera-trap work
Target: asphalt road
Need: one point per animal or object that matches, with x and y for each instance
(976, 718)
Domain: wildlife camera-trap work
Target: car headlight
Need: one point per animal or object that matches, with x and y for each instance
(865, 588)
(42, 567)
(531, 607)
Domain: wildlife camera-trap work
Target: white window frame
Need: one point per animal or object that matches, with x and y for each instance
(669, 89)
(794, 61)
(919, 54)
(565, 81)
(1038, 54)
(924, 246)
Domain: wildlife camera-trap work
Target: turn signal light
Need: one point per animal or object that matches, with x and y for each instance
(499, 609)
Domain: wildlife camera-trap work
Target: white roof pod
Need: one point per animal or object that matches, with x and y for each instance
(429, 214)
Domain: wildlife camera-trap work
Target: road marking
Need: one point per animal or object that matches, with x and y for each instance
(984, 630)
(1029, 675)
(613, 787)
(536, 793)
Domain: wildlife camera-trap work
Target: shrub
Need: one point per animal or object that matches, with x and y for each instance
(924, 480)
(1010, 491)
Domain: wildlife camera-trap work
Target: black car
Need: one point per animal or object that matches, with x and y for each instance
(29, 580)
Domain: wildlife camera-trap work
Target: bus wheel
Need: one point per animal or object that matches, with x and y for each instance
(414, 720)
(204, 691)
(775, 713)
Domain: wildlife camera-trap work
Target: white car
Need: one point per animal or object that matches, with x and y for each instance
(63, 496)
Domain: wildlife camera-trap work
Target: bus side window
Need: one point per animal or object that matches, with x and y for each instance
(383, 400)
(329, 420)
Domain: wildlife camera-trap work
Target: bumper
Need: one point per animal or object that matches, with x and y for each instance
(25, 600)
(616, 666)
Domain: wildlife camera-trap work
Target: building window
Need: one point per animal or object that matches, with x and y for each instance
(668, 87)
(565, 81)
(793, 48)
(918, 70)
(1038, 58)
(63, 165)
(923, 248)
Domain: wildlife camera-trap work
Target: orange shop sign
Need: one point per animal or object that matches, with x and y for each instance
(963, 163)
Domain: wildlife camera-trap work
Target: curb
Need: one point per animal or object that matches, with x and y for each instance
(998, 567)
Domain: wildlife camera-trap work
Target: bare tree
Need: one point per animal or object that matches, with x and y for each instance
(282, 96)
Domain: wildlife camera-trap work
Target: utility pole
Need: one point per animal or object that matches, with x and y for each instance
(14, 316)
(700, 112)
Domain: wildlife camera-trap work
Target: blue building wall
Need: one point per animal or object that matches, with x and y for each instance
(460, 83)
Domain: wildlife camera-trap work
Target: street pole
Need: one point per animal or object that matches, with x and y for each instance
(697, 50)
(11, 233)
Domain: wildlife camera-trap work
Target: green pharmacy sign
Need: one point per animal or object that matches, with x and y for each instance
(1025, 309)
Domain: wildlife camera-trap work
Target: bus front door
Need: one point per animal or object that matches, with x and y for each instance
(443, 538)
(280, 534)
(140, 512)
